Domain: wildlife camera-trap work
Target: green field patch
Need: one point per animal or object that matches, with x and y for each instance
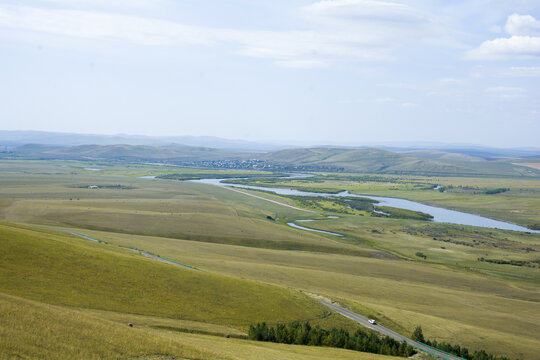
(59, 269)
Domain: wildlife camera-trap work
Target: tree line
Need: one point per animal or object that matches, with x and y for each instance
(454, 349)
(302, 333)
(529, 263)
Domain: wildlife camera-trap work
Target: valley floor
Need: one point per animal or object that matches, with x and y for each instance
(59, 290)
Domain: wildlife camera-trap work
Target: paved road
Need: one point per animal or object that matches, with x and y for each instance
(364, 321)
(168, 261)
(347, 313)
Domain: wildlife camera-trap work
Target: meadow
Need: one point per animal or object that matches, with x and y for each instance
(253, 268)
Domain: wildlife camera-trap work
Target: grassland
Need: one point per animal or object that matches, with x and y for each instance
(373, 269)
(470, 307)
(59, 269)
(34, 330)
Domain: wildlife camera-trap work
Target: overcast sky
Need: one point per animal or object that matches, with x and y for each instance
(332, 72)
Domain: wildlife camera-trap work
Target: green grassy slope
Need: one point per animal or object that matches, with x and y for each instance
(452, 305)
(58, 269)
(33, 330)
(387, 162)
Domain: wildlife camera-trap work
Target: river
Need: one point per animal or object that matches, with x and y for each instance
(440, 215)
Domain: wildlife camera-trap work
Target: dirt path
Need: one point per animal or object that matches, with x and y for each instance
(269, 200)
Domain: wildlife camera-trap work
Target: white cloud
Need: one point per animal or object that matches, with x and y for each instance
(507, 48)
(524, 25)
(96, 25)
(109, 3)
(409, 105)
(522, 71)
(340, 30)
(506, 93)
(306, 48)
(524, 41)
(506, 72)
(366, 10)
(451, 82)
(380, 23)
(301, 64)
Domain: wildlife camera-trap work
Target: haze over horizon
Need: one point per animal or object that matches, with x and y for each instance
(337, 72)
(15, 138)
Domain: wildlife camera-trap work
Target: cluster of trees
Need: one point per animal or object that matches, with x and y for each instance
(304, 334)
(464, 243)
(534, 226)
(496, 191)
(334, 204)
(455, 349)
(403, 213)
(531, 263)
(421, 254)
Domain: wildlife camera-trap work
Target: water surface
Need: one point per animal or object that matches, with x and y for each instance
(440, 215)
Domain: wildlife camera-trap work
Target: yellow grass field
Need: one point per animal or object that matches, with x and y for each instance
(255, 268)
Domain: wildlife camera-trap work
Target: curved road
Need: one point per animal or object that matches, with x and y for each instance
(394, 335)
(154, 257)
(347, 313)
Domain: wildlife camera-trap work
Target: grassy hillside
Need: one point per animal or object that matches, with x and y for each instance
(452, 303)
(33, 330)
(58, 269)
(387, 162)
(452, 295)
(126, 152)
(423, 162)
(438, 154)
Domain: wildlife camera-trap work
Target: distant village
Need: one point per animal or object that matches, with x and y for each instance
(255, 164)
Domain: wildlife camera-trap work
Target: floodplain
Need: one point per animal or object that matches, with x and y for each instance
(473, 286)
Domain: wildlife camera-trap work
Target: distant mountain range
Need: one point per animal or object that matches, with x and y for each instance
(434, 163)
(136, 153)
(17, 138)
(12, 139)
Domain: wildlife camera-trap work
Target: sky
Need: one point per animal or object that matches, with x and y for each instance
(344, 72)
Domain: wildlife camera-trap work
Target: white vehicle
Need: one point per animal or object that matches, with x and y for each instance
(373, 322)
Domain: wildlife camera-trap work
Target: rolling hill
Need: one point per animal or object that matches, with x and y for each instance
(124, 152)
(387, 162)
(365, 160)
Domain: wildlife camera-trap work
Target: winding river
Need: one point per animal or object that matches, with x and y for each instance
(440, 215)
